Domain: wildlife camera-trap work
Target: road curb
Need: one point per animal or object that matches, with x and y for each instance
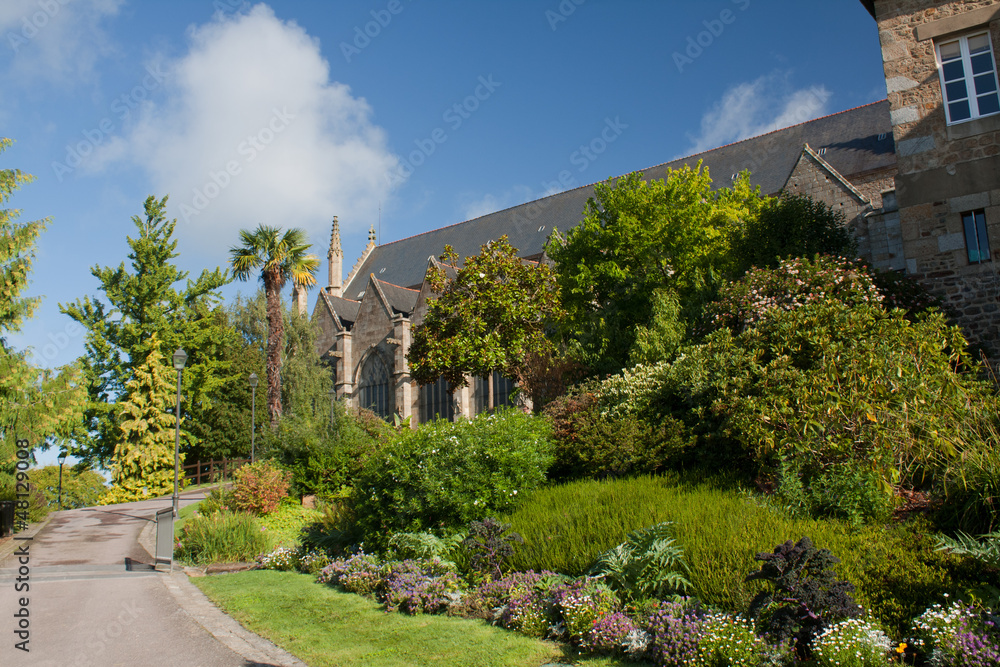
(10, 545)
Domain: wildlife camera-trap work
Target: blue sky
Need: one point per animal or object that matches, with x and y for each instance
(292, 112)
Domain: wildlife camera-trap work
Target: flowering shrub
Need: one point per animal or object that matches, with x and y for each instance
(795, 283)
(360, 573)
(610, 634)
(956, 636)
(493, 595)
(259, 487)
(674, 634)
(313, 562)
(446, 474)
(416, 587)
(282, 559)
(731, 641)
(629, 392)
(528, 612)
(851, 643)
(581, 603)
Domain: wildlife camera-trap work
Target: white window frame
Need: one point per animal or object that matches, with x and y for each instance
(969, 77)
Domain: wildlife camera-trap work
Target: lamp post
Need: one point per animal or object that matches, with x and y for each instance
(180, 358)
(62, 460)
(253, 415)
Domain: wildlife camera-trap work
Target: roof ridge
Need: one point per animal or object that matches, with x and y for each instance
(764, 134)
(386, 282)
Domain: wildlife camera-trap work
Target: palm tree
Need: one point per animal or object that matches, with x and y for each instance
(279, 257)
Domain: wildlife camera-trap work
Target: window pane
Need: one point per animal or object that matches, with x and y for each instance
(950, 51)
(989, 104)
(982, 63)
(984, 243)
(971, 242)
(956, 91)
(978, 43)
(987, 83)
(959, 111)
(953, 70)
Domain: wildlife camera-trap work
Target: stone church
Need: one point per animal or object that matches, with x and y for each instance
(918, 183)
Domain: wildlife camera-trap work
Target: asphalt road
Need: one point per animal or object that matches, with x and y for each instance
(84, 608)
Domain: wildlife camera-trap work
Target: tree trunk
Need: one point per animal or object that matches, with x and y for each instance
(492, 400)
(275, 336)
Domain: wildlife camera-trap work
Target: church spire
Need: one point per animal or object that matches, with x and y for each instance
(371, 235)
(336, 258)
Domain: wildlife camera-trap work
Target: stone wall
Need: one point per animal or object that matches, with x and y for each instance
(944, 170)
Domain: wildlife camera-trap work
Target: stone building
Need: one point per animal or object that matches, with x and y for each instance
(364, 320)
(941, 78)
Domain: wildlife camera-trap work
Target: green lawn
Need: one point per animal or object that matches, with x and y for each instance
(325, 627)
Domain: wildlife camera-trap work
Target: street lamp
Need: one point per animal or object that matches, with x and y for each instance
(62, 460)
(253, 415)
(180, 358)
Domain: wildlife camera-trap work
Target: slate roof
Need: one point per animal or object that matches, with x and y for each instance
(401, 299)
(346, 309)
(856, 141)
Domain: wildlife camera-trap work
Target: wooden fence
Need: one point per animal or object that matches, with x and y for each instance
(212, 471)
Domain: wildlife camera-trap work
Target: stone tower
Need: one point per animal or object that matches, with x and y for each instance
(336, 258)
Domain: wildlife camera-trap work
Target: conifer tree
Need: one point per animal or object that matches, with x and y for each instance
(143, 462)
(143, 300)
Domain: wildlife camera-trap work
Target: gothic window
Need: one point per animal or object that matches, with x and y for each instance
(968, 77)
(502, 390)
(373, 388)
(436, 402)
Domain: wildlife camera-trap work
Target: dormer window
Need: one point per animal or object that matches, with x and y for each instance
(968, 77)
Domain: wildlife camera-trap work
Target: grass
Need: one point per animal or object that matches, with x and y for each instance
(325, 627)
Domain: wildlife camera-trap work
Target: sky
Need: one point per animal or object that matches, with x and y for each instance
(405, 115)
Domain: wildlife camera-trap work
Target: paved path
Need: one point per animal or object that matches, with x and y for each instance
(86, 609)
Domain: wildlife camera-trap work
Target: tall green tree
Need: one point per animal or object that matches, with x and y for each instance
(35, 404)
(638, 237)
(142, 300)
(491, 317)
(279, 257)
(143, 462)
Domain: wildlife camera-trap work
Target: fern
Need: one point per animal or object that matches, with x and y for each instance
(985, 549)
(424, 546)
(645, 565)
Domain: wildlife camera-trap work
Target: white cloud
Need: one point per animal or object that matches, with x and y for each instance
(750, 109)
(57, 40)
(253, 131)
